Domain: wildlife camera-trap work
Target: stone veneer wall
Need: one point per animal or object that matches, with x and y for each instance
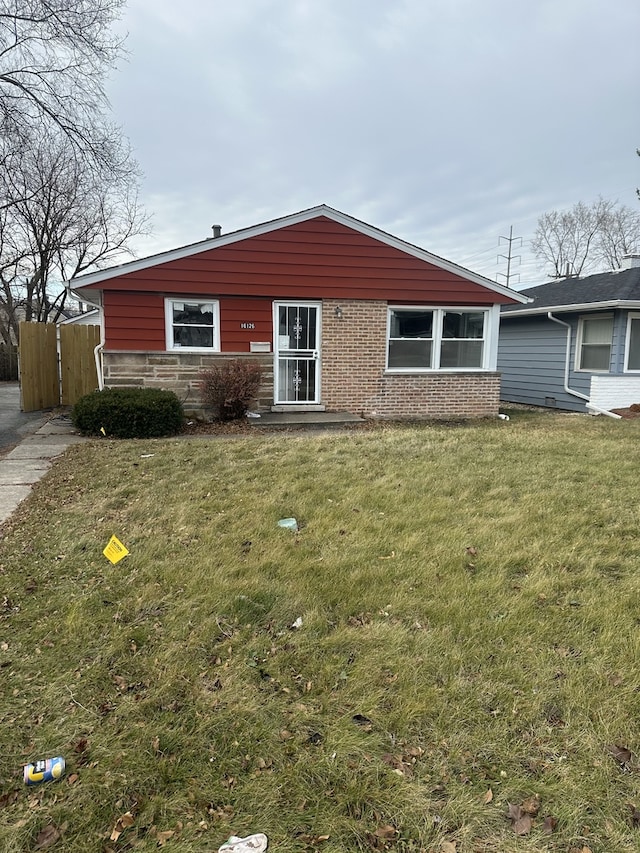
(178, 372)
(354, 378)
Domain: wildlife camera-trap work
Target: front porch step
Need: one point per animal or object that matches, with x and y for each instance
(308, 420)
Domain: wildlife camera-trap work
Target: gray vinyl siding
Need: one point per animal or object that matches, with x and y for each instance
(531, 359)
(619, 335)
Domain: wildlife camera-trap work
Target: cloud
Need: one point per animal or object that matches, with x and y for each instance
(444, 122)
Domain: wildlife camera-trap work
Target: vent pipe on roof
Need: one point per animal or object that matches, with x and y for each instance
(630, 261)
(217, 230)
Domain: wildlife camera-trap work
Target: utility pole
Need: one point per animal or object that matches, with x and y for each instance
(509, 256)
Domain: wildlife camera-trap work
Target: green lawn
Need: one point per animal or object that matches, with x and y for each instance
(465, 674)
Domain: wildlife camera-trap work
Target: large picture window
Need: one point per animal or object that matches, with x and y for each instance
(594, 343)
(192, 325)
(436, 339)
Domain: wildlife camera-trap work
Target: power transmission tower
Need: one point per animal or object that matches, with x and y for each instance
(509, 256)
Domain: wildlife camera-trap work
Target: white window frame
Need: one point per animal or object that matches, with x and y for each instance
(170, 301)
(579, 343)
(438, 318)
(627, 340)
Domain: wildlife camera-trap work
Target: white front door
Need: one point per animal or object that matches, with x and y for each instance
(297, 353)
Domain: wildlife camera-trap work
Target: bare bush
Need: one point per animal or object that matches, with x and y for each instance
(230, 387)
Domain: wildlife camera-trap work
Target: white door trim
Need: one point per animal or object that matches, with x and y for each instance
(283, 354)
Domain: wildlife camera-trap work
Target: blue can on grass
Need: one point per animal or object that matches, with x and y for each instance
(45, 770)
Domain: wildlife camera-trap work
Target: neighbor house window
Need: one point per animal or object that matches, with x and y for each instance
(192, 325)
(436, 339)
(594, 343)
(633, 343)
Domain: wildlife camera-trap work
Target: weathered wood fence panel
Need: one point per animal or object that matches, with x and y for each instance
(77, 362)
(39, 379)
(49, 375)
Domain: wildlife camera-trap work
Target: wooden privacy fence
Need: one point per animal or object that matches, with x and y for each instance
(57, 364)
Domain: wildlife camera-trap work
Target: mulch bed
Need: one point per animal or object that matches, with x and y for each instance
(629, 413)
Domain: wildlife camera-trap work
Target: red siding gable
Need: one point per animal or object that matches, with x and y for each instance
(315, 259)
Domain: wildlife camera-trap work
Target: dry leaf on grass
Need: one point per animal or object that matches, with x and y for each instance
(9, 798)
(124, 821)
(120, 683)
(487, 796)
(386, 831)
(449, 846)
(48, 836)
(521, 821)
(622, 755)
(362, 721)
(313, 840)
(165, 835)
(531, 805)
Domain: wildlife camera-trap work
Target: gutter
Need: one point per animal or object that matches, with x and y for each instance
(567, 362)
(631, 304)
(97, 351)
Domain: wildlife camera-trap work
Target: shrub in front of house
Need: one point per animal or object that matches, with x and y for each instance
(129, 413)
(229, 387)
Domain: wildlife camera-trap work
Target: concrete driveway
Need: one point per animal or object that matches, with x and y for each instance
(14, 424)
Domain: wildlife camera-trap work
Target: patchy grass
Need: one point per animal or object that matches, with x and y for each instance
(469, 642)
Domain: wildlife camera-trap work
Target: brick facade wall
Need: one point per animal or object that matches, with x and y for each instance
(354, 340)
(178, 372)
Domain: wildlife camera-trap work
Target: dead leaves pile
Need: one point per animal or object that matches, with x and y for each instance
(128, 819)
(523, 816)
(404, 762)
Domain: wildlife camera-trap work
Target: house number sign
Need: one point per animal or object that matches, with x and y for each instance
(247, 325)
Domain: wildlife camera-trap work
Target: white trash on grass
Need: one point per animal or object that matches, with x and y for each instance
(251, 844)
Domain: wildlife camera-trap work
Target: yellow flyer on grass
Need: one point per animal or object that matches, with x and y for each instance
(115, 550)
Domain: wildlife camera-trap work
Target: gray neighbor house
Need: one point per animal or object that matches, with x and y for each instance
(576, 345)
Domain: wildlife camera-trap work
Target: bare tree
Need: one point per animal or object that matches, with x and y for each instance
(586, 237)
(54, 55)
(618, 236)
(68, 183)
(78, 217)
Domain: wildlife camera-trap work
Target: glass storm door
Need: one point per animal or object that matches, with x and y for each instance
(297, 353)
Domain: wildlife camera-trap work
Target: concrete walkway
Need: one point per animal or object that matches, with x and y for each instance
(31, 459)
(14, 423)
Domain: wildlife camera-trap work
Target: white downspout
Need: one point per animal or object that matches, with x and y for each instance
(97, 351)
(567, 364)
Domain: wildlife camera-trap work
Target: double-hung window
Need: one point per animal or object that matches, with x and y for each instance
(192, 325)
(436, 339)
(632, 355)
(594, 343)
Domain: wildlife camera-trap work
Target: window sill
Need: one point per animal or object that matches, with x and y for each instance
(427, 371)
(199, 350)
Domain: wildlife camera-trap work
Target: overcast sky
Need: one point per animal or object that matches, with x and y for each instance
(444, 122)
